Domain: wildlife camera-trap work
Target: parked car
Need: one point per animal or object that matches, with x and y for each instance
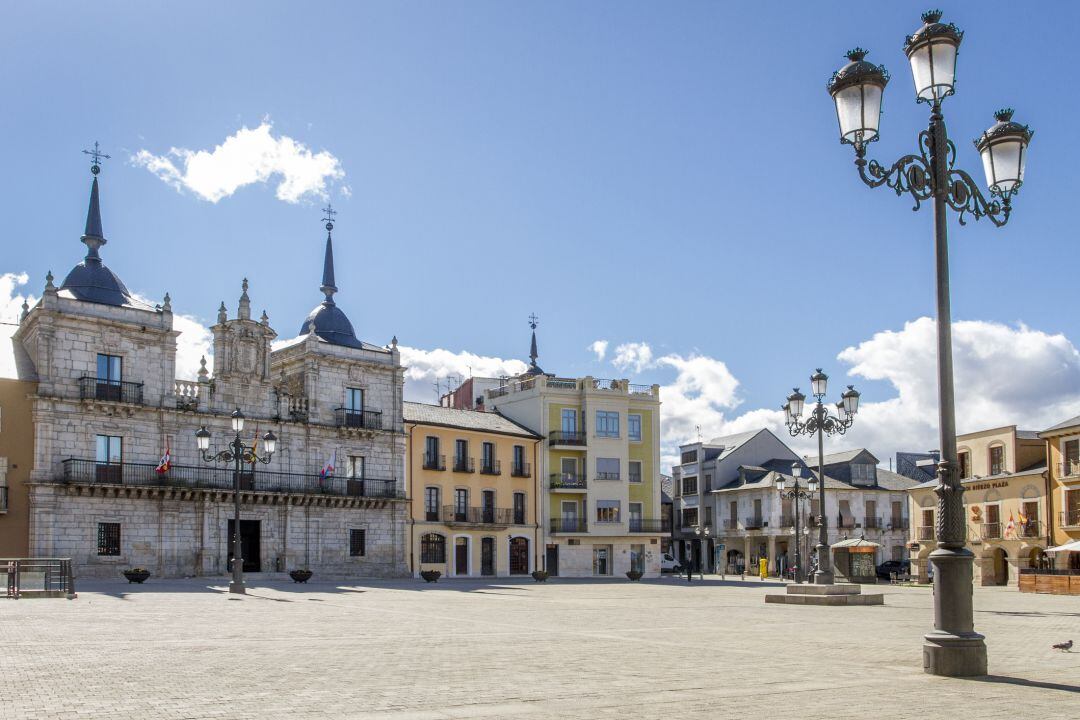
(668, 564)
(900, 567)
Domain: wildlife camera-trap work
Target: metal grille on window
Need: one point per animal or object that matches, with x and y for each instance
(108, 538)
(356, 543)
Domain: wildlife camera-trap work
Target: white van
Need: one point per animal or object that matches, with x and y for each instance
(668, 564)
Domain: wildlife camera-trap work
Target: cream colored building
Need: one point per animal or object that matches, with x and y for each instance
(1063, 456)
(1005, 504)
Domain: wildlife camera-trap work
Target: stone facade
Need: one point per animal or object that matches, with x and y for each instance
(98, 440)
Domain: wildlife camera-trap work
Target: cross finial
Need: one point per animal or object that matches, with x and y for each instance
(533, 321)
(97, 156)
(329, 219)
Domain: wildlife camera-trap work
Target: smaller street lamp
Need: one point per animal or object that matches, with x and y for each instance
(795, 494)
(236, 452)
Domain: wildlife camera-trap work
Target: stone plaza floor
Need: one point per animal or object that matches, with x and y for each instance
(565, 649)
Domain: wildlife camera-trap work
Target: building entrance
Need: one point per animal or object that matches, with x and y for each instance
(249, 545)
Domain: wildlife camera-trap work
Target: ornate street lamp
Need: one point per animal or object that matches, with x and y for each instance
(795, 494)
(821, 423)
(236, 452)
(953, 648)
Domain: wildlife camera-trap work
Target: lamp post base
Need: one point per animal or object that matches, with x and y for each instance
(237, 586)
(954, 655)
(823, 577)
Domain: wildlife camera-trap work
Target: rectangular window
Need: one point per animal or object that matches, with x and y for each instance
(689, 485)
(356, 543)
(635, 513)
(519, 460)
(432, 548)
(108, 538)
(432, 459)
(964, 459)
(635, 471)
(997, 460)
(708, 482)
(462, 461)
(110, 368)
(354, 399)
(431, 504)
(633, 427)
(689, 517)
(519, 508)
(487, 457)
(355, 467)
(733, 513)
(607, 424)
(607, 468)
(569, 421)
(1070, 456)
(461, 503)
(689, 456)
(110, 458)
(708, 515)
(607, 511)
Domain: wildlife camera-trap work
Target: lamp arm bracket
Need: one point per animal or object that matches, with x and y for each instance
(910, 174)
(964, 196)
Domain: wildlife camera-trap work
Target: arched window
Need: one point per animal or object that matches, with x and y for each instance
(432, 548)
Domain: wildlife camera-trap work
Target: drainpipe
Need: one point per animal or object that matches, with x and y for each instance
(409, 448)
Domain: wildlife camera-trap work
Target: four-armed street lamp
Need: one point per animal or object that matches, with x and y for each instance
(953, 648)
(821, 423)
(236, 452)
(795, 494)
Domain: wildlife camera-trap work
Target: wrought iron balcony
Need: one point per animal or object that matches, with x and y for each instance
(434, 462)
(902, 523)
(477, 515)
(1070, 518)
(873, 523)
(634, 477)
(754, 523)
(1030, 529)
(210, 477)
(925, 532)
(845, 523)
(569, 525)
(562, 437)
(644, 525)
(491, 467)
(365, 419)
(731, 524)
(991, 531)
(607, 476)
(92, 388)
(521, 470)
(1069, 467)
(464, 465)
(566, 481)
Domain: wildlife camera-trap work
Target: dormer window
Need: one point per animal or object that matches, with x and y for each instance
(997, 460)
(863, 474)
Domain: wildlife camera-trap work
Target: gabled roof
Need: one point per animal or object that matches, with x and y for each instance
(845, 456)
(1071, 422)
(475, 420)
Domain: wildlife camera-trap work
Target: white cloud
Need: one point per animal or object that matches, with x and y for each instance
(599, 348)
(10, 301)
(426, 367)
(194, 342)
(633, 355)
(249, 156)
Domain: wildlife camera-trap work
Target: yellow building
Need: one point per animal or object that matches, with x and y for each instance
(472, 491)
(16, 449)
(1063, 456)
(1005, 504)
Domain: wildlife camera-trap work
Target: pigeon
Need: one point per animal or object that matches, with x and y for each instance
(1064, 647)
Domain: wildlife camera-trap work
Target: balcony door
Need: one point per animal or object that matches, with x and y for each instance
(110, 458)
(487, 498)
(635, 517)
(569, 516)
(569, 469)
(110, 375)
(354, 407)
(569, 421)
(461, 505)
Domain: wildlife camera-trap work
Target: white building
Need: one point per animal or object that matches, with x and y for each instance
(109, 406)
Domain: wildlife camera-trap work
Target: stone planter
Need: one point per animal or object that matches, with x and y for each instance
(634, 575)
(430, 575)
(137, 575)
(540, 575)
(300, 576)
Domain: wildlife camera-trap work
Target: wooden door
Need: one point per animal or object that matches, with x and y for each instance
(519, 556)
(461, 556)
(487, 556)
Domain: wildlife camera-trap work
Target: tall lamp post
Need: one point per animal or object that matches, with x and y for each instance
(821, 423)
(236, 452)
(795, 494)
(953, 648)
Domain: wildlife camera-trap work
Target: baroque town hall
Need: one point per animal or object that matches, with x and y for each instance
(108, 408)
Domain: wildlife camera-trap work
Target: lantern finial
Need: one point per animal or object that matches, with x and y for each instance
(931, 16)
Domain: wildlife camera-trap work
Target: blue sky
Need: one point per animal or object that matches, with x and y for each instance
(630, 171)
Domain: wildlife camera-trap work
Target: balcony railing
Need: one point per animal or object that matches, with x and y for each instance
(491, 467)
(434, 462)
(563, 437)
(873, 523)
(565, 481)
(634, 477)
(477, 515)
(607, 476)
(521, 470)
(1070, 518)
(845, 523)
(787, 521)
(464, 465)
(91, 388)
(569, 525)
(212, 477)
(991, 531)
(1069, 467)
(366, 419)
(900, 523)
(731, 524)
(925, 532)
(1030, 529)
(754, 523)
(640, 389)
(645, 525)
(3, 498)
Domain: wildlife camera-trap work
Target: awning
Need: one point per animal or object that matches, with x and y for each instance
(851, 543)
(1074, 546)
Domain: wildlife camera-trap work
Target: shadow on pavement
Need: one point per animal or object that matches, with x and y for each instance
(1006, 680)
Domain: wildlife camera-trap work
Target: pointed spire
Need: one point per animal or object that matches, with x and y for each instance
(244, 311)
(222, 313)
(167, 307)
(534, 369)
(328, 287)
(25, 310)
(94, 237)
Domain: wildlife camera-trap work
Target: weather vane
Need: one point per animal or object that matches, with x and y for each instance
(533, 321)
(329, 219)
(97, 156)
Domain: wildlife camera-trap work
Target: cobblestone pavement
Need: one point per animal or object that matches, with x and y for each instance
(565, 649)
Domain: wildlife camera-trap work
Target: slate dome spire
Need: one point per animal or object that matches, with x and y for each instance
(327, 320)
(91, 280)
(534, 369)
